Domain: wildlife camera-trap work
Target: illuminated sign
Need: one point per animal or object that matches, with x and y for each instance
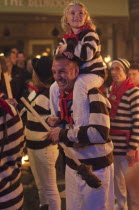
(33, 3)
(95, 7)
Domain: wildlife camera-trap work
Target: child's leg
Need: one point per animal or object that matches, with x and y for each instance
(83, 84)
(54, 98)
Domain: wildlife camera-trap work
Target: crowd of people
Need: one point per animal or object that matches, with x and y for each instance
(97, 120)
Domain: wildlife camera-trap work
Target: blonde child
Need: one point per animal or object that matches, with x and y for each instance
(80, 41)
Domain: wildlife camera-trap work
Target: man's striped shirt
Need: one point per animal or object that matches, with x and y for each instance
(91, 141)
(11, 151)
(127, 120)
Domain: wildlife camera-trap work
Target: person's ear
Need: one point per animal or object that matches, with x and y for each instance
(76, 70)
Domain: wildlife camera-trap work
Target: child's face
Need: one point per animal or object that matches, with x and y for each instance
(76, 16)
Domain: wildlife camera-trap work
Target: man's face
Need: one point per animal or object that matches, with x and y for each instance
(14, 50)
(134, 76)
(13, 58)
(65, 73)
(20, 57)
(118, 73)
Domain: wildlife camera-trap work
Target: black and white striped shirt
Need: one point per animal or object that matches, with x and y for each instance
(87, 50)
(35, 131)
(92, 140)
(11, 151)
(127, 120)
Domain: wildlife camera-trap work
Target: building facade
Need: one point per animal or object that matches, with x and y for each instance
(134, 29)
(34, 25)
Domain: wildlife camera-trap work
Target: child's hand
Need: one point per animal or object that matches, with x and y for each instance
(68, 55)
(62, 48)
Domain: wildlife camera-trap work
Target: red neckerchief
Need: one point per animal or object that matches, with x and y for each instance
(137, 85)
(64, 110)
(6, 107)
(72, 35)
(116, 95)
(85, 28)
(33, 88)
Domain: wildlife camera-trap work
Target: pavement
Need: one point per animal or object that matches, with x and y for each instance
(31, 201)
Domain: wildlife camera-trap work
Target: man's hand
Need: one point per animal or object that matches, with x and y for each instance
(130, 156)
(53, 121)
(53, 135)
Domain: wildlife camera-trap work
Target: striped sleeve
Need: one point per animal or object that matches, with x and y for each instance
(11, 191)
(88, 46)
(34, 129)
(41, 105)
(97, 132)
(126, 120)
(12, 197)
(12, 150)
(134, 105)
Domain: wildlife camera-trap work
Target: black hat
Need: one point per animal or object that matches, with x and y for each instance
(42, 68)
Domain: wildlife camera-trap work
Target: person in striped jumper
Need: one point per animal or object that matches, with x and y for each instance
(124, 98)
(42, 155)
(134, 73)
(11, 151)
(90, 144)
(81, 41)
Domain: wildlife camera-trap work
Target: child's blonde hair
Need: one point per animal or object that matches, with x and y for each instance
(66, 27)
